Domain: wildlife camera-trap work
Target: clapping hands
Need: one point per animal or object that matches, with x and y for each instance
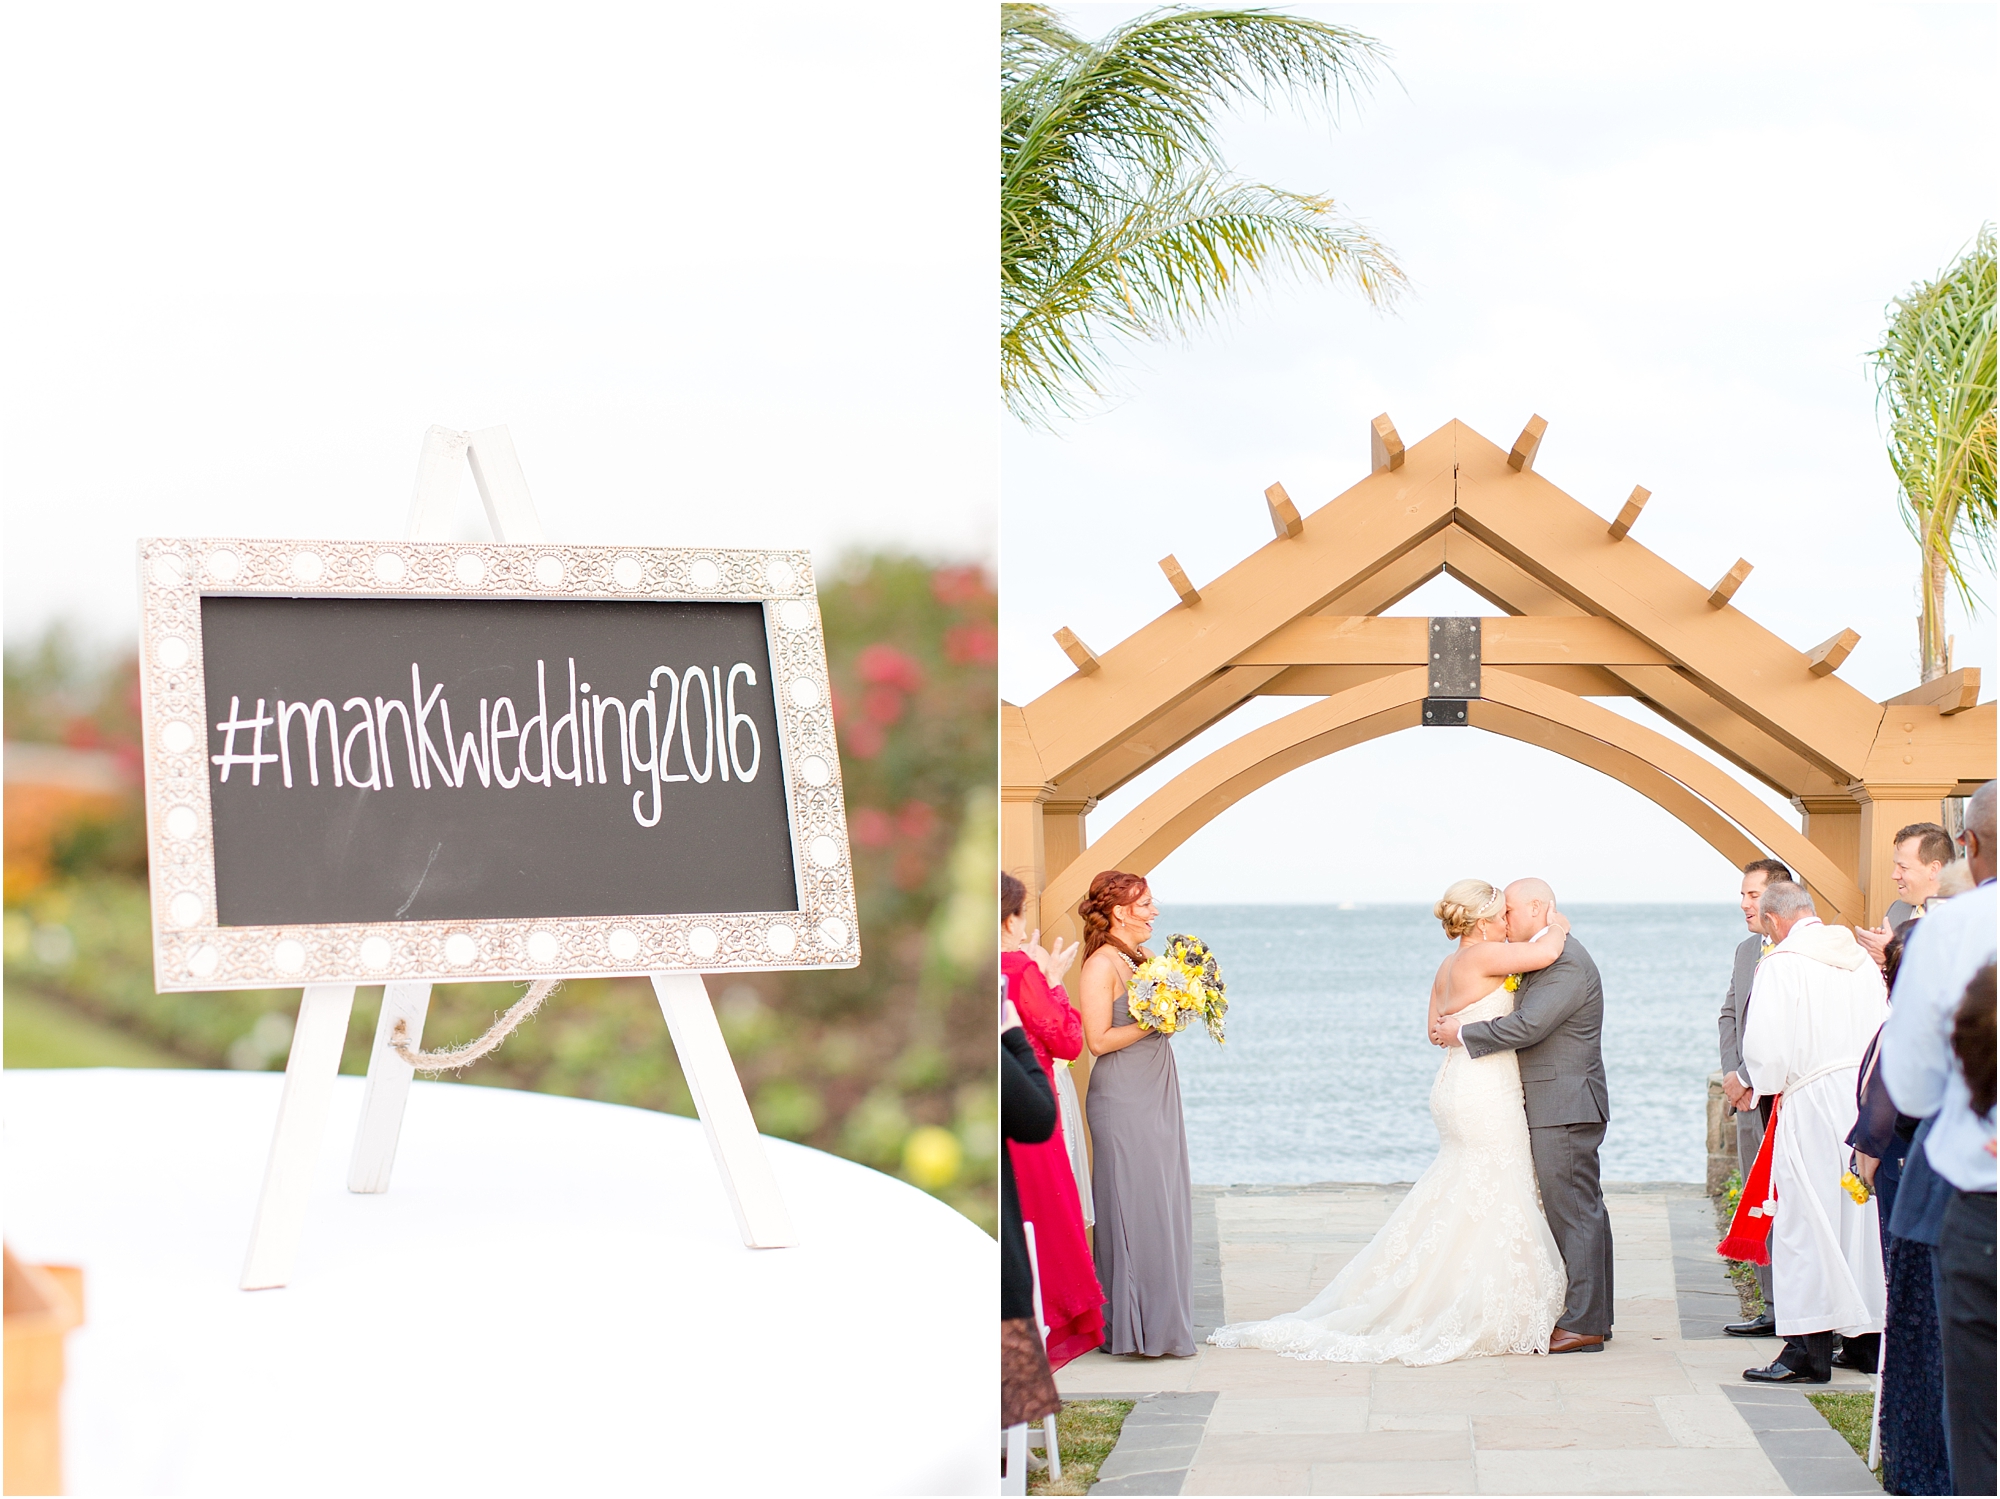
(1874, 940)
(1053, 964)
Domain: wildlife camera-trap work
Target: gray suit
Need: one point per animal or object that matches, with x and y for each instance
(1735, 1013)
(1556, 1030)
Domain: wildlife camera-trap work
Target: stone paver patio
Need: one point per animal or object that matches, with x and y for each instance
(1647, 1415)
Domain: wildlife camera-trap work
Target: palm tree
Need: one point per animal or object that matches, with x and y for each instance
(1934, 375)
(1118, 217)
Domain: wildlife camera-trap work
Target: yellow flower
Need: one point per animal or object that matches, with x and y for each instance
(932, 1157)
(1513, 982)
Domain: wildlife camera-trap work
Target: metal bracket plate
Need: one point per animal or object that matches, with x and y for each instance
(1444, 712)
(1454, 660)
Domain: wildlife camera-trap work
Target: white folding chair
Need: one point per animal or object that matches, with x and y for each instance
(1014, 1458)
(1875, 1411)
(1048, 1441)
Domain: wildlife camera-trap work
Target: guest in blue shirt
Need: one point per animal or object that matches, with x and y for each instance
(1940, 960)
(1911, 1390)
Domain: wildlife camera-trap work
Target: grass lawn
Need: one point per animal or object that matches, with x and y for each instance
(42, 1032)
(1849, 1413)
(1086, 1431)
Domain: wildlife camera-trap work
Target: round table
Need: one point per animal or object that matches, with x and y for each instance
(551, 1298)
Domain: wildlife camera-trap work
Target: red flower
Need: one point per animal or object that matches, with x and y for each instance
(882, 703)
(974, 643)
(872, 828)
(956, 586)
(916, 820)
(863, 739)
(885, 666)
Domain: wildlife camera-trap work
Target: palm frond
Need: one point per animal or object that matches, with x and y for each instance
(1031, 36)
(1118, 219)
(1162, 266)
(1935, 384)
(1935, 380)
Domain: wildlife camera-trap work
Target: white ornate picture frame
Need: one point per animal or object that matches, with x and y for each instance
(193, 951)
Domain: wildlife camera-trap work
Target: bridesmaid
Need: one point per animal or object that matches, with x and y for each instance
(1145, 1209)
(1072, 1303)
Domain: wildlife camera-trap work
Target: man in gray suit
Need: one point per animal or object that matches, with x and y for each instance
(1751, 1112)
(1556, 1030)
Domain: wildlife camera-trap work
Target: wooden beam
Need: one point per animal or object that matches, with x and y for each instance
(1953, 692)
(1530, 640)
(1385, 448)
(1324, 681)
(1163, 733)
(1342, 640)
(1579, 681)
(1190, 595)
(1579, 640)
(1634, 503)
(1729, 655)
(1284, 514)
(1686, 785)
(1929, 746)
(1527, 445)
(1674, 695)
(1084, 657)
(1366, 531)
(1699, 776)
(1208, 703)
(1691, 700)
(1825, 658)
(1171, 815)
(1732, 580)
(1682, 702)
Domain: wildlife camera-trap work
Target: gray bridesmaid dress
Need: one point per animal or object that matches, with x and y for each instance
(1145, 1211)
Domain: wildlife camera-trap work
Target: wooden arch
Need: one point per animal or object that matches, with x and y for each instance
(1587, 611)
(1670, 776)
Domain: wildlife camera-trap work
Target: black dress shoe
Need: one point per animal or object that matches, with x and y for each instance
(1780, 1374)
(1765, 1326)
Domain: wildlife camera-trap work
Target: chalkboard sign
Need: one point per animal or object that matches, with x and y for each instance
(421, 761)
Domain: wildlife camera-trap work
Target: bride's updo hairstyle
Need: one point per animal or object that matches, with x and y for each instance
(1114, 887)
(1466, 904)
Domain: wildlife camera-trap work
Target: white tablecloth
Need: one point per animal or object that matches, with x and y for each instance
(551, 1299)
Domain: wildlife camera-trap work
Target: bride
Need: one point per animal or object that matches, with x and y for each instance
(1465, 1266)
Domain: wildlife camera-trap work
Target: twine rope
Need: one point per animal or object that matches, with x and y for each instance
(453, 1058)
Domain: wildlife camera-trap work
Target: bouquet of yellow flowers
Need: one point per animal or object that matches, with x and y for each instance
(1179, 988)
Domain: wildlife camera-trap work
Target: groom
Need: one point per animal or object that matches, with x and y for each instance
(1556, 1029)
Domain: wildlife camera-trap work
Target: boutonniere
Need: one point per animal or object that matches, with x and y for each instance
(1769, 948)
(1513, 982)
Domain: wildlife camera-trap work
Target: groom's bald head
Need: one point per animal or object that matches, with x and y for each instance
(1529, 903)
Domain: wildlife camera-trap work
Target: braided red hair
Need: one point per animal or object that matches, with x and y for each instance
(1112, 888)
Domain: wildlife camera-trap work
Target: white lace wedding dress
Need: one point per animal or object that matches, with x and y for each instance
(1466, 1265)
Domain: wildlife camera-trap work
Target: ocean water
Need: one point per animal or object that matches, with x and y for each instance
(1327, 1072)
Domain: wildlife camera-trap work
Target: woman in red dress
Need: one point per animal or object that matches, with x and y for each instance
(1072, 1302)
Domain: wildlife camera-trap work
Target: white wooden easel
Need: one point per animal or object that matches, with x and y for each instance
(314, 1060)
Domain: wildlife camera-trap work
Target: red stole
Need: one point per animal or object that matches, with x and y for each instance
(1750, 1230)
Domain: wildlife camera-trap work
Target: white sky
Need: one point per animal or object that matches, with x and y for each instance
(725, 272)
(1672, 231)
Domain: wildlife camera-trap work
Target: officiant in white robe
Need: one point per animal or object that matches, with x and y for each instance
(1817, 1001)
